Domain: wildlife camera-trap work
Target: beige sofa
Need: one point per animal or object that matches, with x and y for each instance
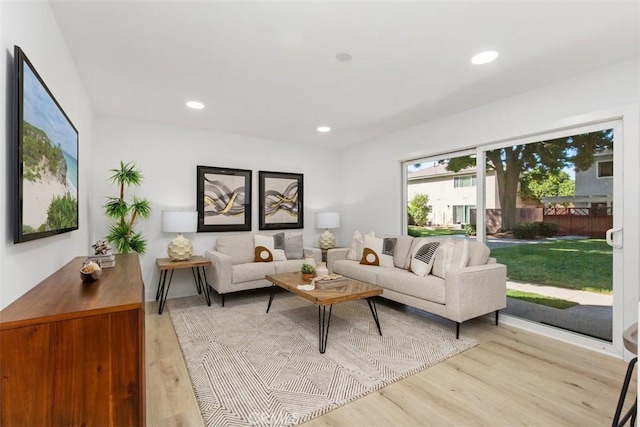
(462, 293)
(233, 267)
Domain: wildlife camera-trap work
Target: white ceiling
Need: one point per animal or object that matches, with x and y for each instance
(268, 69)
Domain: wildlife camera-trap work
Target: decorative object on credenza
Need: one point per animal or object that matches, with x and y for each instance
(281, 200)
(46, 158)
(90, 272)
(101, 247)
(180, 248)
(121, 232)
(224, 199)
(327, 220)
(308, 272)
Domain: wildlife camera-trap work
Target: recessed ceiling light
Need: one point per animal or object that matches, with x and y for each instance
(195, 105)
(484, 57)
(324, 129)
(343, 56)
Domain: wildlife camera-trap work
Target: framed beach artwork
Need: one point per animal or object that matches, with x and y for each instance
(46, 189)
(223, 199)
(281, 201)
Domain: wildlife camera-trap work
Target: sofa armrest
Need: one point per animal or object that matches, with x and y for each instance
(219, 273)
(334, 255)
(316, 253)
(475, 291)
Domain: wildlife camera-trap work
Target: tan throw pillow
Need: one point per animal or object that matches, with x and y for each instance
(423, 257)
(450, 254)
(265, 248)
(378, 251)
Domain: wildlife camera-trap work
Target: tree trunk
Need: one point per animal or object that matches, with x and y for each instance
(507, 176)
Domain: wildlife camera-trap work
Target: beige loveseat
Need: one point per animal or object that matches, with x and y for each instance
(473, 287)
(233, 267)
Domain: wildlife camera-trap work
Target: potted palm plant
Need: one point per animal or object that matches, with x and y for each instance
(121, 233)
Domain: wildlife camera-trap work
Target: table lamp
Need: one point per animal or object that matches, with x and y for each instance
(327, 220)
(180, 248)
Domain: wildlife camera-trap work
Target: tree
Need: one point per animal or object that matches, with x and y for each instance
(418, 209)
(551, 156)
(535, 185)
(121, 233)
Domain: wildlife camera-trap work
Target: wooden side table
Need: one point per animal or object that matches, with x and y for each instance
(197, 265)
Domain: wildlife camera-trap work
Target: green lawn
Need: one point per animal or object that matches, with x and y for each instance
(574, 264)
(541, 299)
(416, 231)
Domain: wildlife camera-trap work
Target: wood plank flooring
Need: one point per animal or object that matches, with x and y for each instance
(512, 378)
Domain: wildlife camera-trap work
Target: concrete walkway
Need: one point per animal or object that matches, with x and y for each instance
(592, 317)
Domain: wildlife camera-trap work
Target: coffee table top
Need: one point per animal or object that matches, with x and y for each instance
(342, 291)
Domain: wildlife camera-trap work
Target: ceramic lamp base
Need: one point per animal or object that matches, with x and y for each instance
(327, 240)
(180, 248)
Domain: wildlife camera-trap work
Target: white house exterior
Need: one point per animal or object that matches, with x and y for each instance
(452, 195)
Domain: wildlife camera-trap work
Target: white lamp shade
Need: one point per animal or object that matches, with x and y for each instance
(327, 220)
(179, 221)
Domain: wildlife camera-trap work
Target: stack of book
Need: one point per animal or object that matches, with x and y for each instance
(105, 261)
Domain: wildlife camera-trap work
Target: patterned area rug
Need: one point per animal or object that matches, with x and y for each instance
(250, 368)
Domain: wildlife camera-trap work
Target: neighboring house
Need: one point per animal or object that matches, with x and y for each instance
(452, 195)
(594, 186)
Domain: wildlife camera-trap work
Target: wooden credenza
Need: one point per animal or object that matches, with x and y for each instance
(72, 354)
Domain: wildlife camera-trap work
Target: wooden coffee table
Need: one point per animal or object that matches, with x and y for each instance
(340, 291)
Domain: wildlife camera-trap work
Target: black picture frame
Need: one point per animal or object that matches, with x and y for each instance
(281, 200)
(47, 162)
(223, 199)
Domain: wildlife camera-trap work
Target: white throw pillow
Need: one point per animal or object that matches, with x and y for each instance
(265, 248)
(423, 256)
(357, 246)
(450, 254)
(378, 251)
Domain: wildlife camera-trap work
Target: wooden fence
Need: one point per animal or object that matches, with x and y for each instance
(592, 222)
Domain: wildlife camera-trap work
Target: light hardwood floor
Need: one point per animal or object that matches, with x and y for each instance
(512, 378)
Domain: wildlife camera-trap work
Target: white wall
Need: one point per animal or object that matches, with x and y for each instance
(31, 26)
(168, 155)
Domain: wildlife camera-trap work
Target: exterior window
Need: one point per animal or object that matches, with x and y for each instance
(464, 181)
(605, 169)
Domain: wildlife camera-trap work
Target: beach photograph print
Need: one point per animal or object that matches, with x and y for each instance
(49, 160)
(224, 197)
(280, 200)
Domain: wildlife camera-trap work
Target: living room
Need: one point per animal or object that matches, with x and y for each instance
(362, 181)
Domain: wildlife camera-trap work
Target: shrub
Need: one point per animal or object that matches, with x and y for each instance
(470, 229)
(546, 229)
(524, 230)
(418, 209)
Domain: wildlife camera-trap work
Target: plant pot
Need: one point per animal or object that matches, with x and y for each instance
(306, 277)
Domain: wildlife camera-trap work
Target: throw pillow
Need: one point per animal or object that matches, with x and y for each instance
(423, 257)
(378, 251)
(265, 248)
(293, 247)
(450, 254)
(357, 246)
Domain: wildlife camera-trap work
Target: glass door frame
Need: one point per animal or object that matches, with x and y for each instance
(616, 347)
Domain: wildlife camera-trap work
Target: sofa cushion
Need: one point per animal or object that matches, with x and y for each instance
(288, 266)
(251, 271)
(429, 287)
(240, 247)
(378, 251)
(269, 247)
(478, 254)
(450, 254)
(293, 246)
(402, 252)
(423, 256)
(357, 271)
